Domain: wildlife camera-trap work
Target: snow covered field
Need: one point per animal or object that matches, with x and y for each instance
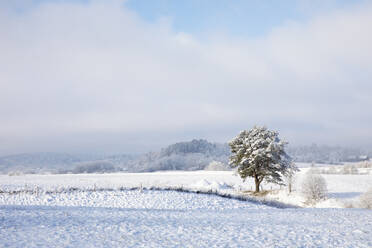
(41, 226)
(341, 188)
(116, 210)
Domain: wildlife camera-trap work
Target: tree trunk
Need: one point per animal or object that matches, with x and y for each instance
(257, 182)
(290, 180)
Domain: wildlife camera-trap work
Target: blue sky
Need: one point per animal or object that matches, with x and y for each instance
(238, 17)
(245, 18)
(136, 75)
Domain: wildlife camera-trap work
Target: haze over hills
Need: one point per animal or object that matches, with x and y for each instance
(191, 155)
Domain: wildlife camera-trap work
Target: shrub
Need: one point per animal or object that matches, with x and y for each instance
(350, 169)
(15, 173)
(94, 167)
(216, 166)
(314, 188)
(365, 200)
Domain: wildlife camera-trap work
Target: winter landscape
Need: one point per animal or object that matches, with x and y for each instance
(185, 208)
(157, 209)
(188, 123)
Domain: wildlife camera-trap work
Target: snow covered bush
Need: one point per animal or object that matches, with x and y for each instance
(332, 170)
(15, 173)
(347, 169)
(259, 153)
(350, 169)
(365, 164)
(365, 200)
(216, 166)
(314, 187)
(94, 167)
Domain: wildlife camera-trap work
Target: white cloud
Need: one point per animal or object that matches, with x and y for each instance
(71, 69)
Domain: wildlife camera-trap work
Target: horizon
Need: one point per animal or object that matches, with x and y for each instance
(288, 146)
(111, 76)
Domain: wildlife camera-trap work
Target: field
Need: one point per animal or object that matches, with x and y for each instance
(173, 209)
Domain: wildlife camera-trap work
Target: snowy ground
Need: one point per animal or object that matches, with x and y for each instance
(107, 227)
(341, 188)
(129, 199)
(99, 210)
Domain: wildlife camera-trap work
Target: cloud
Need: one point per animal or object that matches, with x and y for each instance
(73, 73)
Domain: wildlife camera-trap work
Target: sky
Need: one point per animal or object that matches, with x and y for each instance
(134, 76)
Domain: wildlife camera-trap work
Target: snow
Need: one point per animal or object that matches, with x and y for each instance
(118, 210)
(340, 187)
(46, 226)
(132, 199)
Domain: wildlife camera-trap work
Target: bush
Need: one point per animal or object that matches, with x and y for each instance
(314, 188)
(15, 173)
(216, 166)
(364, 164)
(350, 169)
(365, 200)
(338, 170)
(94, 167)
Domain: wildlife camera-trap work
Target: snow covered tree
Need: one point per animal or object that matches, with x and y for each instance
(259, 153)
(290, 176)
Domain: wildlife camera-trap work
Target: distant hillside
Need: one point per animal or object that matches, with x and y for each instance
(39, 159)
(192, 155)
(196, 146)
(327, 154)
(55, 162)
